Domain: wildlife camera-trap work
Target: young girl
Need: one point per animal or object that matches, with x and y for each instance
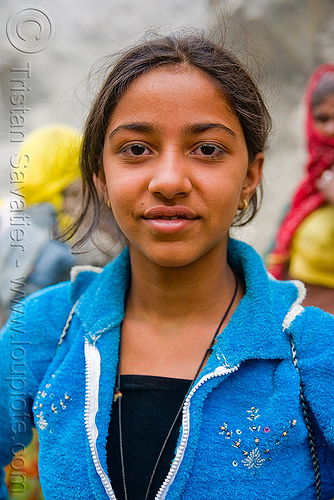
(304, 245)
(175, 372)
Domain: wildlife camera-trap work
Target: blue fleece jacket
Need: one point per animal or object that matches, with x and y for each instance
(243, 434)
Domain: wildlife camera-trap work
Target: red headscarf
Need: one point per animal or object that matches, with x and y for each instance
(307, 198)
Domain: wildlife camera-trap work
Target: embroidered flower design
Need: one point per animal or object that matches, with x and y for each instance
(42, 423)
(253, 459)
(46, 403)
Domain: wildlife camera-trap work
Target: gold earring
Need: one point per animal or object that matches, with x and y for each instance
(245, 202)
(108, 204)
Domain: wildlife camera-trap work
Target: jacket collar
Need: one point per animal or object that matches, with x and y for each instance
(256, 329)
(101, 296)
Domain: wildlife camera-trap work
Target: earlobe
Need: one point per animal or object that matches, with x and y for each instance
(252, 179)
(100, 184)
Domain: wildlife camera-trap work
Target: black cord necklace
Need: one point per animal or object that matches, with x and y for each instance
(118, 398)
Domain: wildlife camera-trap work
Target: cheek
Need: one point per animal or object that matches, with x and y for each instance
(123, 198)
(225, 191)
(126, 185)
(118, 185)
(319, 126)
(120, 200)
(224, 202)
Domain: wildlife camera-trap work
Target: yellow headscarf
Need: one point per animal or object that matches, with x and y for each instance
(48, 162)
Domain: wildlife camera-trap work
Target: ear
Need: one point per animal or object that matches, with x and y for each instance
(101, 185)
(252, 179)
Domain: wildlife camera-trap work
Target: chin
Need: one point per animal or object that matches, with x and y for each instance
(179, 258)
(172, 263)
(170, 256)
(171, 260)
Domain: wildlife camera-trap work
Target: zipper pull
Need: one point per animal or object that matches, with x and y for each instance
(117, 395)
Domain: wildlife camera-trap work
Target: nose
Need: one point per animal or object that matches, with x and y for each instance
(170, 176)
(329, 128)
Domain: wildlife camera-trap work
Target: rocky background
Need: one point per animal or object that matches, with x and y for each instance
(282, 41)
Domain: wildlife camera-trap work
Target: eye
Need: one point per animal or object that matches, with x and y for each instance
(208, 150)
(136, 150)
(321, 118)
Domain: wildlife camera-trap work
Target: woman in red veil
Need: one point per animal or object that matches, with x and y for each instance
(304, 245)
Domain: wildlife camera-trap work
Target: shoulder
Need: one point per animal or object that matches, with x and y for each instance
(34, 327)
(36, 323)
(47, 306)
(314, 332)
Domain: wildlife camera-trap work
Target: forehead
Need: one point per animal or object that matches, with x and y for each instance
(326, 104)
(172, 93)
(170, 75)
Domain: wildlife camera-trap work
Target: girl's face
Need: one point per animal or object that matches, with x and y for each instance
(176, 167)
(323, 116)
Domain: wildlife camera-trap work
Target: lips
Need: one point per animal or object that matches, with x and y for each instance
(166, 220)
(170, 213)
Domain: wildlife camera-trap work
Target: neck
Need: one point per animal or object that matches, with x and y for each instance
(172, 314)
(171, 294)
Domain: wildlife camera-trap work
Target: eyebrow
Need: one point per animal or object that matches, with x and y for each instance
(143, 127)
(198, 128)
(148, 128)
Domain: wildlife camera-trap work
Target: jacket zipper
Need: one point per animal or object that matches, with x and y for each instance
(93, 369)
(218, 372)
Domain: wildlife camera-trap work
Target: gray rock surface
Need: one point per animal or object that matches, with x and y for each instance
(283, 40)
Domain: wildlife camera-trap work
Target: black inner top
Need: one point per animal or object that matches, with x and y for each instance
(149, 406)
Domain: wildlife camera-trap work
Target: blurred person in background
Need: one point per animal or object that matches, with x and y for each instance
(304, 245)
(47, 179)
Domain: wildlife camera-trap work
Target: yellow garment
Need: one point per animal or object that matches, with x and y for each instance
(312, 254)
(48, 162)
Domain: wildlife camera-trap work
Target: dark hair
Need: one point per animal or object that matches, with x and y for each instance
(324, 89)
(226, 72)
